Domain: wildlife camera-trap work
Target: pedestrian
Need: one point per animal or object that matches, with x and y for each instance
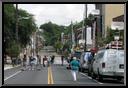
(74, 68)
(39, 61)
(52, 59)
(29, 60)
(71, 59)
(44, 59)
(31, 63)
(48, 60)
(24, 61)
(62, 60)
(13, 61)
(34, 62)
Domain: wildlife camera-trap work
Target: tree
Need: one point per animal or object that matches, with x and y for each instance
(25, 29)
(110, 35)
(58, 46)
(14, 49)
(51, 32)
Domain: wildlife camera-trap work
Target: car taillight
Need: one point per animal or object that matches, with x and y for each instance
(103, 65)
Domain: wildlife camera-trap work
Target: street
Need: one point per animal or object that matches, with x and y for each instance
(88, 38)
(55, 74)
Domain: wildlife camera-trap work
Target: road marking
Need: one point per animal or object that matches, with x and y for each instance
(91, 78)
(10, 67)
(50, 77)
(12, 75)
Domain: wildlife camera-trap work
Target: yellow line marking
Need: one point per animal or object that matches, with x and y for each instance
(50, 77)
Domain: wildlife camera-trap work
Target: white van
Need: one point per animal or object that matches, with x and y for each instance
(108, 63)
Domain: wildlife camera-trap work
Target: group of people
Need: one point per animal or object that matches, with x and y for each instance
(35, 61)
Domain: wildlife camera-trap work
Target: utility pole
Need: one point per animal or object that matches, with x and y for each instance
(94, 34)
(85, 15)
(36, 43)
(17, 21)
(73, 38)
(83, 25)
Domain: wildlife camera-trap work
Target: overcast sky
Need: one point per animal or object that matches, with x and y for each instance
(61, 14)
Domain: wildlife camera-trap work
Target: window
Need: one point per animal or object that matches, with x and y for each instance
(100, 55)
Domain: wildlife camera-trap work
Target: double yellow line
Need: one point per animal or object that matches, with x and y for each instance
(50, 77)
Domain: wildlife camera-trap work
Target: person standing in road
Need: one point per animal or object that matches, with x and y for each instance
(74, 67)
(52, 59)
(44, 59)
(62, 60)
(39, 61)
(31, 63)
(24, 61)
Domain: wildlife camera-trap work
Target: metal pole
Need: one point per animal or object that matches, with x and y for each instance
(85, 26)
(73, 42)
(17, 21)
(94, 32)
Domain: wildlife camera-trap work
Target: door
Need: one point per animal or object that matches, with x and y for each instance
(111, 60)
(95, 64)
(120, 61)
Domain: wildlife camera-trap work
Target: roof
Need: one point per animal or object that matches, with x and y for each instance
(119, 18)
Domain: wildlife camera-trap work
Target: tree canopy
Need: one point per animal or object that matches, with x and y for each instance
(25, 28)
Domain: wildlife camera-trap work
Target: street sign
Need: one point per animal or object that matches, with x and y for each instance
(116, 37)
(117, 26)
(81, 41)
(95, 12)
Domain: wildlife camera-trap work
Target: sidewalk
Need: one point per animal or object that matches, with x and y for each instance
(9, 66)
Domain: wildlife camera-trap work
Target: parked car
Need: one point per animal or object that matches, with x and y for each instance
(77, 54)
(84, 60)
(108, 63)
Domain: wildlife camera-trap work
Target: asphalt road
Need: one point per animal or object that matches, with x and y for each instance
(55, 74)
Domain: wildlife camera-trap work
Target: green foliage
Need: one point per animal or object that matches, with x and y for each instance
(25, 27)
(14, 49)
(52, 32)
(110, 36)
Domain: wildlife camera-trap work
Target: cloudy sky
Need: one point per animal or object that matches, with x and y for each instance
(61, 14)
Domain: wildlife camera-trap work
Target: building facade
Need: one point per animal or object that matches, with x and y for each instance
(107, 13)
(111, 11)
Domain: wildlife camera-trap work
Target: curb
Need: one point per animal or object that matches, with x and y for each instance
(6, 68)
